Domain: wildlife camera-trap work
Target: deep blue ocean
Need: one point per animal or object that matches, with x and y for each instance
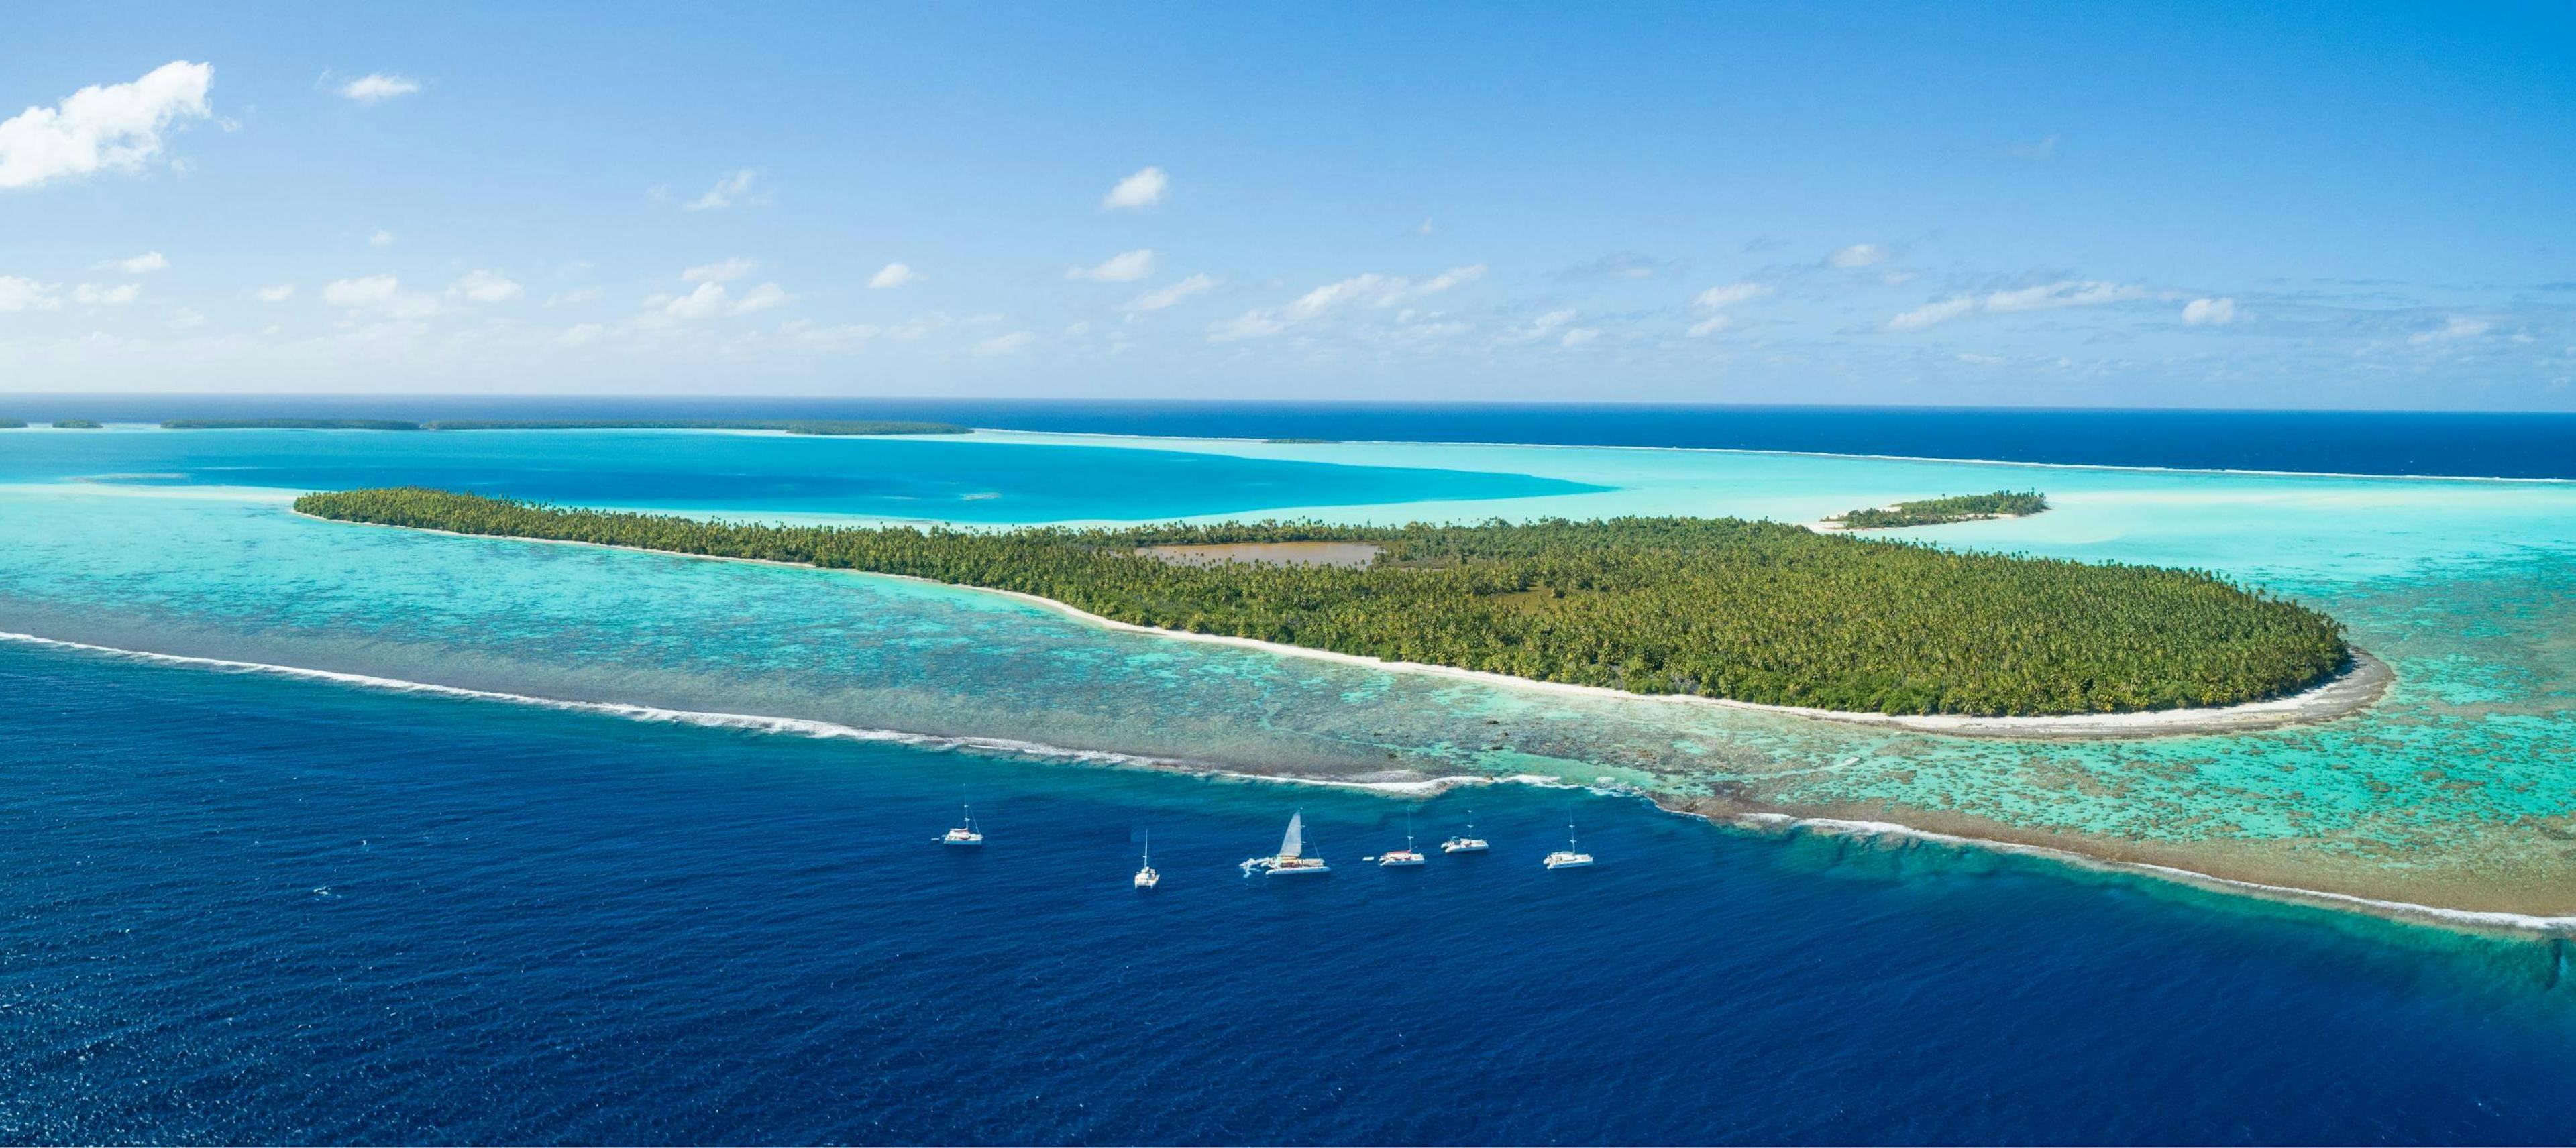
(245, 909)
(2489, 445)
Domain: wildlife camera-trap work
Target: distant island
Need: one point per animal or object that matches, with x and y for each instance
(76, 424)
(791, 426)
(1723, 608)
(13, 424)
(1953, 508)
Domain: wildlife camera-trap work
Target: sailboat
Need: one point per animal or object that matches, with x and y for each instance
(1568, 857)
(1147, 878)
(1407, 855)
(1291, 859)
(1467, 842)
(966, 834)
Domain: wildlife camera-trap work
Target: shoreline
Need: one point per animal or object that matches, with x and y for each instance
(2356, 688)
(1742, 819)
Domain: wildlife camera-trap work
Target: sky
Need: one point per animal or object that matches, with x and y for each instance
(2176, 205)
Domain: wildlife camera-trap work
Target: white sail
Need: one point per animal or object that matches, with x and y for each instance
(1295, 841)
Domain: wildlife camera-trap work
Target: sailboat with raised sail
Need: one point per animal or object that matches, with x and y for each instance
(1147, 878)
(1291, 859)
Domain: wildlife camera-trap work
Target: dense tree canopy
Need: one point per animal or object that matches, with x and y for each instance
(1954, 508)
(1721, 607)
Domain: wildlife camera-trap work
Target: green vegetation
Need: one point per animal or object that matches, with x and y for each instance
(1756, 611)
(791, 426)
(1954, 508)
(76, 424)
(289, 424)
(13, 424)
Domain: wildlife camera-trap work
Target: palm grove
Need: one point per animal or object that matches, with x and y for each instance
(1720, 607)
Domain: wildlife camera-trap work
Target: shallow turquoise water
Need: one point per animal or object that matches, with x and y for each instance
(2450, 788)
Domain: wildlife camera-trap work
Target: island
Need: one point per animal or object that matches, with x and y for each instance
(13, 424)
(1746, 611)
(1936, 511)
(76, 424)
(790, 426)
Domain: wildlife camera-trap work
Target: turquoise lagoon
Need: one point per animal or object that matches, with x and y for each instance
(2454, 791)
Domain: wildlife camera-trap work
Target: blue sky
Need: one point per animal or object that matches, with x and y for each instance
(2177, 205)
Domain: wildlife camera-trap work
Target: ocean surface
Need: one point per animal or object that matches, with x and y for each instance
(379, 836)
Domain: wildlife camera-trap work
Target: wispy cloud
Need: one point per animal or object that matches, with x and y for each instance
(720, 271)
(1143, 189)
(892, 275)
(106, 295)
(2452, 330)
(1858, 255)
(2209, 312)
(1359, 291)
(109, 127)
(17, 294)
(140, 264)
(377, 87)
(1170, 294)
(732, 189)
(485, 287)
(2044, 297)
(1124, 267)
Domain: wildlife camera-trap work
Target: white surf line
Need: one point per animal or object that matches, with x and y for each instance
(2484, 918)
(2119, 467)
(2243, 717)
(1427, 787)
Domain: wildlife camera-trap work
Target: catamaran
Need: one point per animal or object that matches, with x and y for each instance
(1147, 878)
(1292, 859)
(1467, 842)
(966, 834)
(1407, 855)
(1568, 857)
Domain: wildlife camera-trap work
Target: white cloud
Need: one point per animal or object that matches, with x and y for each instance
(1358, 291)
(1425, 228)
(276, 293)
(186, 317)
(1538, 328)
(722, 271)
(2045, 297)
(2064, 293)
(486, 287)
(97, 295)
(1004, 344)
(1579, 336)
(140, 264)
(728, 191)
(760, 298)
(378, 87)
(1720, 298)
(892, 275)
(2209, 312)
(1165, 296)
(579, 334)
(381, 238)
(1143, 189)
(111, 127)
(1124, 267)
(1858, 255)
(1935, 312)
(18, 294)
(709, 300)
(576, 295)
(2455, 328)
(380, 293)
(1711, 325)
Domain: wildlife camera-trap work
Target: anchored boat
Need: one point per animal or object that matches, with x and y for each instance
(1568, 857)
(1407, 855)
(966, 834)
(1466, 842)
(1147, 878)
(1291, 859)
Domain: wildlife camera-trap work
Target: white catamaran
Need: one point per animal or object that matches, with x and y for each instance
(1407, 855)
(966, 834)
(1466, 842)
(1292, 859)
(1147, 878)
(1568, 857)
